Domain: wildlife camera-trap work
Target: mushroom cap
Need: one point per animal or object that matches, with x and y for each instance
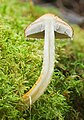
(37, 28)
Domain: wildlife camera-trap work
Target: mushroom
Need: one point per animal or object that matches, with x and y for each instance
(48, 27)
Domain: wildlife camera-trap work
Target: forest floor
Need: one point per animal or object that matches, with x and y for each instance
(21, 64)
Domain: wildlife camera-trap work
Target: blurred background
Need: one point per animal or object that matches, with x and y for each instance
(71, 10)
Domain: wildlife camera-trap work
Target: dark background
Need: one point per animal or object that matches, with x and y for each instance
(71, 10)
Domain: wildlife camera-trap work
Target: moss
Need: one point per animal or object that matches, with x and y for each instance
(21, 64)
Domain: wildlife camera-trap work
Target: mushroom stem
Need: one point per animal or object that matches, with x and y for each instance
(48, 66)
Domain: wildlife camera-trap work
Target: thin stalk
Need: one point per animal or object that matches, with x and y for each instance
(48, 66)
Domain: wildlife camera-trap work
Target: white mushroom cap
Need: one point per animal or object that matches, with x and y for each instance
(37, 28)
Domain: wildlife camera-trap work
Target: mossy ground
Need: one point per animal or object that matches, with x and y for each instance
(21, 64)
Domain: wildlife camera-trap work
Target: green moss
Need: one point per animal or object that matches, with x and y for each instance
(21, 64)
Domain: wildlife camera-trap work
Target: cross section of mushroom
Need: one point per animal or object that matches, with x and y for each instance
(48, 27)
